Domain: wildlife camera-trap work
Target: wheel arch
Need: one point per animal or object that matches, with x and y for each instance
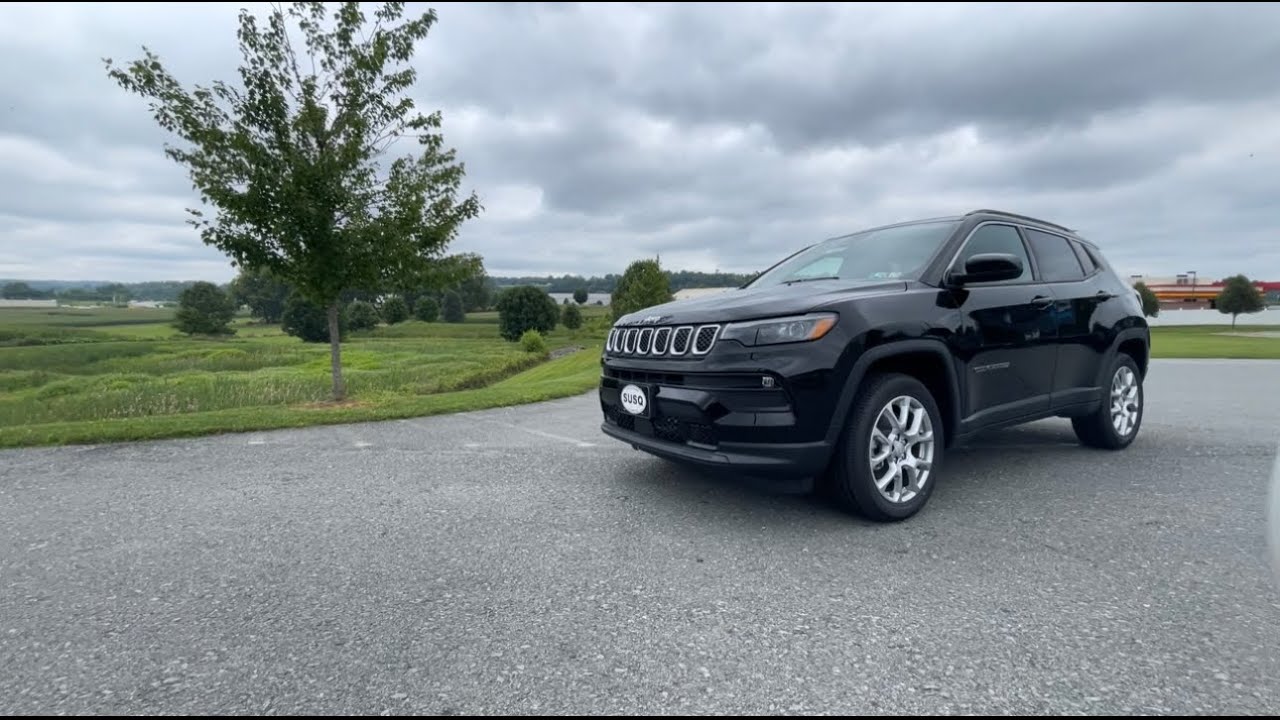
(929, 361)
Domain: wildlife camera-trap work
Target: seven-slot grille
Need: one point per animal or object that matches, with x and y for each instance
(662, 341)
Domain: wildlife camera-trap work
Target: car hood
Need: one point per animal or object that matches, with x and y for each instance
(753, 303)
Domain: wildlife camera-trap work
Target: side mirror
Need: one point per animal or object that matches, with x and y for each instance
(988, 267)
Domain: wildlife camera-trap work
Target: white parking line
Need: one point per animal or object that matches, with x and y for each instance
(553, 436)
(541, 433)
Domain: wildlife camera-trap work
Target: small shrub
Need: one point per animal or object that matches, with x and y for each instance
(453, 312)
(526, 308)
(427, 310)
(580, 295)
(531, 342)
(310, 322)
(395, 310)
(204, 309)
(571, 317)
(361, 316)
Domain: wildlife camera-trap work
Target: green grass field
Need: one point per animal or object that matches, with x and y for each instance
(94, 375)
(65, 378)
(1215, 341)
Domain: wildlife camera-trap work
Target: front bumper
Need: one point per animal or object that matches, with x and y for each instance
(728, 420)
(772, 460)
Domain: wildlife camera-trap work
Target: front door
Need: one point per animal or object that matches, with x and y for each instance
(1008, 335)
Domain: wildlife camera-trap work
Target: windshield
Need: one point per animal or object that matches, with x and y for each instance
(884, 254)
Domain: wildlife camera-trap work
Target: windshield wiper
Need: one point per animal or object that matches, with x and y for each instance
(811, 279)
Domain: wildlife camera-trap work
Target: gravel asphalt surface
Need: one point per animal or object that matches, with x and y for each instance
(519, 561)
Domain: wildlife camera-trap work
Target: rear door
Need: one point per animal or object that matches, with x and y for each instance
(1079, 289)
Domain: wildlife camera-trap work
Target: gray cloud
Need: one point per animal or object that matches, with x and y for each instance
(718, 137)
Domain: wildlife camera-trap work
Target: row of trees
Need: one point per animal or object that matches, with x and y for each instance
(206, 309)
(1238, 296)
(677, 280)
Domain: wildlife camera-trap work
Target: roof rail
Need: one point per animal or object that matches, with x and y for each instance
(987, 211)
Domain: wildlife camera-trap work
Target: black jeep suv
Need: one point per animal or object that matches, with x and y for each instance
(860, 359)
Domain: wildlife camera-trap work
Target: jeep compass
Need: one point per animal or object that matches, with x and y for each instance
(860, 360)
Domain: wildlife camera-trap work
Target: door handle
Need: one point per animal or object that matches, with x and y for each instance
(1041, 301)
(1104, 295)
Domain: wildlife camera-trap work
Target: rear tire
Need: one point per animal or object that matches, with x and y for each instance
(1115, 424)
(886, 464)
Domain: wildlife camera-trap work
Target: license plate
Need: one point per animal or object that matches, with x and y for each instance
(635, 400)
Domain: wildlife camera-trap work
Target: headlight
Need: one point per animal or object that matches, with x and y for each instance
(798, 328)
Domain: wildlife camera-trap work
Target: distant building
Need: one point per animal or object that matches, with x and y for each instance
(28, 303)
(1188, 291)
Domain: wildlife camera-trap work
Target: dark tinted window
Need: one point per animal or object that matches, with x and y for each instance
(1082, 254)
(1054, 256)
(995, 239)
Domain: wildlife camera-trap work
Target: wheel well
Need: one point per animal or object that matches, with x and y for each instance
(930, 369)
(1136, 349)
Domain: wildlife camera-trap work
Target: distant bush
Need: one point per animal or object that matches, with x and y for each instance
(308, 321)
(204, 309)
(427, 310)
(395, 310)
(643, 285)
(571, 317)
(598, 326)
(361, 315)
(580, 295)
(526, 308)
(453, 312)
(531, 342)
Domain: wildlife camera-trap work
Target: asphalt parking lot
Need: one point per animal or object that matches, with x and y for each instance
(519, 561)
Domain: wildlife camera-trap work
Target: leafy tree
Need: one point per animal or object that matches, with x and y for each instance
(643, 285)
(1239, 295)
(262, 293)
(571, 317)
(453, 312)
(20, 291)
(580, 295)
(293, 162)
(361, 315)
(526, 308)
(427, 310)
(395, 310)
(309, 321)
(476, 293)
(1150, 303)
(204, 309)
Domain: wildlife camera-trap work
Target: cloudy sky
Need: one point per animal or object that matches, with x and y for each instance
(721, 137)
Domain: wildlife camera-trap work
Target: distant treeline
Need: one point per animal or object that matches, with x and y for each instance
(168, 290)
(680, 279)
(70, 291)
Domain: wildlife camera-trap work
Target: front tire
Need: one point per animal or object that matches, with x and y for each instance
(1116, 422)
(887, 461)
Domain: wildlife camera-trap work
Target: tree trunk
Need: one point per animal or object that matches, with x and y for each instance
(335, 353)
(1233, 321)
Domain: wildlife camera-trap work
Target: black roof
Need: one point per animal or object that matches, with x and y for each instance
(1016, 216)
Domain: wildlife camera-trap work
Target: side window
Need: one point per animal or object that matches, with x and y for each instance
(1082, 254)
(1054, 256)
(995, 239)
